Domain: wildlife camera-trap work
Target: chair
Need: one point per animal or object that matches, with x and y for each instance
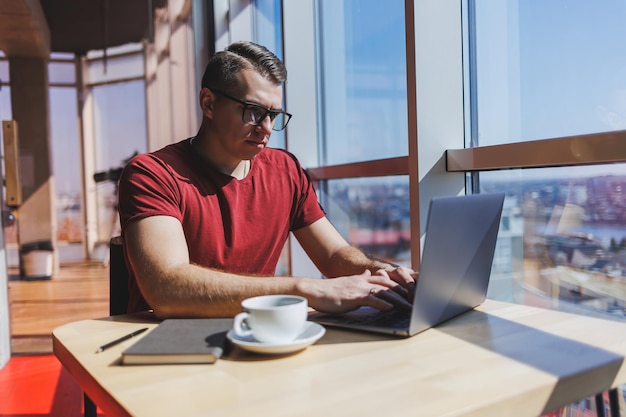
(118, 278)
(613, 403)
(118, 296)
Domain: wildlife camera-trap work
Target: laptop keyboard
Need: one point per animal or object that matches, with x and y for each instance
(389, 318)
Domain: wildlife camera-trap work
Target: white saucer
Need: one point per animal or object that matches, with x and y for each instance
(312, 333)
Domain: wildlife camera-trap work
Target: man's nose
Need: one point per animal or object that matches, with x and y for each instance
(266, 125)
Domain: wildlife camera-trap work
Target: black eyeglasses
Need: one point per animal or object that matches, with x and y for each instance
(253, 114)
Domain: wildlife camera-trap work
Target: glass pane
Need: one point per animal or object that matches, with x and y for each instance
(548, 69)
(127, 48)
(268, 31)
(66, 166)
(363, 80)
(562, 241)
(62, 55)
(61, 72)
(120, 132)
(4, 71)
(115, 68)
(268, 25)
(5, 104)
(372, 214)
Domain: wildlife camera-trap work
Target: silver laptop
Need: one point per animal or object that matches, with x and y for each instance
(460, 241)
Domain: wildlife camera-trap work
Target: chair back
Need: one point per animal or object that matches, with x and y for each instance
(118, 278)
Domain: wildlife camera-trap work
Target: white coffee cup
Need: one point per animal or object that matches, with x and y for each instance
(272, 318)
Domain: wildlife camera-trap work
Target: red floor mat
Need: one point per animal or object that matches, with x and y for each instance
(36, 386)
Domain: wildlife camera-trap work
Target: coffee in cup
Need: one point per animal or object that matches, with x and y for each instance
(272, 318)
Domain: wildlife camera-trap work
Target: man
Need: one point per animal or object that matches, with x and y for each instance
(204, 220)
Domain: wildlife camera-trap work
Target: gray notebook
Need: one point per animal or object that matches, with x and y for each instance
(461, 234)
(176, 341)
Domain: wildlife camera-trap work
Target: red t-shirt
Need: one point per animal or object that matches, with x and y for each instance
(239, 226)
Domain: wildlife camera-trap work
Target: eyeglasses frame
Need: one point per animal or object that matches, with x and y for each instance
(245, 104)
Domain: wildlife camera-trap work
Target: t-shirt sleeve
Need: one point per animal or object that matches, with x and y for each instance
(147, 188)
(308, 209)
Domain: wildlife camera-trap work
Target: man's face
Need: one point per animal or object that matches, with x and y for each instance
(235, 140)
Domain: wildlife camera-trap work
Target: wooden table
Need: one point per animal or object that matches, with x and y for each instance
(499, 360)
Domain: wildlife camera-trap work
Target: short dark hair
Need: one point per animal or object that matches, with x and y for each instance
(223, 67)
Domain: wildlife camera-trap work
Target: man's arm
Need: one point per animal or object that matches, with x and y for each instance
(335, 257)
(158, 253)
(173, 287)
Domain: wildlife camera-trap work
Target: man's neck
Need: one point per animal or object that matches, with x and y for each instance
(241, 170)
(236, 169)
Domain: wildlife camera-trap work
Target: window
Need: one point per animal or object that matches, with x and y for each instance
(66, 167)
(4, 70)
(267, 25)
(60, 72)
(372, 214)
(363, 117)
(120, 131)
(66, 157)
(362, 80)
(121, 62)
(268, 31)
(548, 71)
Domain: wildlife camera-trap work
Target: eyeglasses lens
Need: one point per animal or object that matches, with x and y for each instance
(254, 115)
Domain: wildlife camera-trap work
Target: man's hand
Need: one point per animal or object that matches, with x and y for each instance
(405, 277)
(343, 294)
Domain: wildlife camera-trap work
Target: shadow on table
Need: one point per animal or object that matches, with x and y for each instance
(559, 356)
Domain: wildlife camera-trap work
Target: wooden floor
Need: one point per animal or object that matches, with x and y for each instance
(78, 291)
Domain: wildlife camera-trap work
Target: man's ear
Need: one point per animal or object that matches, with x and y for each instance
(206, 102)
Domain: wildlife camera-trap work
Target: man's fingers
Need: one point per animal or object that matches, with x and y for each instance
(394, 298)
(403, 289)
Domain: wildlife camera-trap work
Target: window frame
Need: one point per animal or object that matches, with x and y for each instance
(589, 149)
